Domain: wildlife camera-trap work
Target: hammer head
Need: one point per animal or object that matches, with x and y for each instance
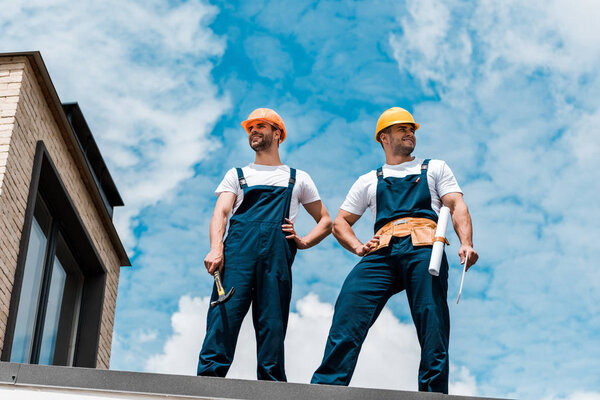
(223, 298)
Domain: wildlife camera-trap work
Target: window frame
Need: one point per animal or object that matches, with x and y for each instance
(46, 182)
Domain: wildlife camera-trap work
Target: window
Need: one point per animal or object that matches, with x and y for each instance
(50, 295)
(56, 304)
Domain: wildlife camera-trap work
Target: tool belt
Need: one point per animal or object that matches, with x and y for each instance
(421, 231)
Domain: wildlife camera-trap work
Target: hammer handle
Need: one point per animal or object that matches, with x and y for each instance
(220, 289)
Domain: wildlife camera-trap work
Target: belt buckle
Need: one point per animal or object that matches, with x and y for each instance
(401, 221)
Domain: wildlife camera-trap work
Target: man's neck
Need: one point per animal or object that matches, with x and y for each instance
(268, 158)
(398, 159)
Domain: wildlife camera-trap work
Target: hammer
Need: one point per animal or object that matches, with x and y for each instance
(222, 296)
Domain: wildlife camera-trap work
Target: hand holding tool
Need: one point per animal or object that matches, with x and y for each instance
(222, 296)
(462, 280)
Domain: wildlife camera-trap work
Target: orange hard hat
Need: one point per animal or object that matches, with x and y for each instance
(267, 115)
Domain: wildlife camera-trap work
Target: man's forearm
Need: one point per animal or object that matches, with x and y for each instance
(217, 231)
(345, 235)
(318, 232)
(461, 219)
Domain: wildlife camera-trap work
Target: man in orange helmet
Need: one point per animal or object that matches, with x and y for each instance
(405, 197)
(257, 255)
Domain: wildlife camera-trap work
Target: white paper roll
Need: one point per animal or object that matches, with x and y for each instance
(438, 247)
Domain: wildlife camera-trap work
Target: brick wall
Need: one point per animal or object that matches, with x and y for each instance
(25, 118)
(11, 74)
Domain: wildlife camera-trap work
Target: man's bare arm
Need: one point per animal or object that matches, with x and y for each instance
(323, 227)
(343, 232)
(218, 223)
(461, 219)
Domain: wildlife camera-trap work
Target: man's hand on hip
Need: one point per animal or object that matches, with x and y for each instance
(363, 249)
(290, 233)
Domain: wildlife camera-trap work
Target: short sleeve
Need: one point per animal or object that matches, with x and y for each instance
(446, 182)
(357, 199)
(229, 183)
(308, 190)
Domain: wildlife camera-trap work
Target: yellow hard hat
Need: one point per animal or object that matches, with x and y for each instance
(267, 115)
(393, 116)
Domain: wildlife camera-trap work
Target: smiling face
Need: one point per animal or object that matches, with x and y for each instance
(399, 139)
(262, 135)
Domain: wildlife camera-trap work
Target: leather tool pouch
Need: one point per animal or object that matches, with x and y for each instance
(422, 235)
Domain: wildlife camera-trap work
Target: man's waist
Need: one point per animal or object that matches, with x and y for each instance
(404, 226)
(421, 230)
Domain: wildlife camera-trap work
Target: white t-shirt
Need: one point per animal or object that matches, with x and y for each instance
(304, 191)
(363, 193)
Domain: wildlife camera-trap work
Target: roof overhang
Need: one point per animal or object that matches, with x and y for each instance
(43, 77)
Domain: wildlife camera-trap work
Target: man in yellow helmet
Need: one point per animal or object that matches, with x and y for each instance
(257, 255)
(405, 197)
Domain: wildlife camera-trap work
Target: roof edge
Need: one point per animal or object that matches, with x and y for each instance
(194, 386)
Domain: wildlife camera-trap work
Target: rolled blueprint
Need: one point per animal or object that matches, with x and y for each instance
(438, 245)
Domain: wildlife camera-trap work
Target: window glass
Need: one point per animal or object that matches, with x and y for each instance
(55, 296)
(71, 302)
(30, 287)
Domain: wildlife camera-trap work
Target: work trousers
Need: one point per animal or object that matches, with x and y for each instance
(377, 277)
(258, 264)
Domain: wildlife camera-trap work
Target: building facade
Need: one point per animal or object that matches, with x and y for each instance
(60, 254)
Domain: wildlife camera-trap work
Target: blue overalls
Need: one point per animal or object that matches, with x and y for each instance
(258, 261)
(383, 273)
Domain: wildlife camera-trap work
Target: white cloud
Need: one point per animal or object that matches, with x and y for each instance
(578, 396)
(462, 381)
(389, 358)
(561, 38)
(180, 355)
(147, 335)
(141, 71)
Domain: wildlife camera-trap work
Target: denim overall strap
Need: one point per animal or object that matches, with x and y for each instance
(403, 197)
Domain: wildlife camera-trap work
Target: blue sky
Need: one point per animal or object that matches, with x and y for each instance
(506, 93)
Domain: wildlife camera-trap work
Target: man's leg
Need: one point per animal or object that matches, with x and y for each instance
(364, 294)
(224, 321)
(271, 306)
(429, 309)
